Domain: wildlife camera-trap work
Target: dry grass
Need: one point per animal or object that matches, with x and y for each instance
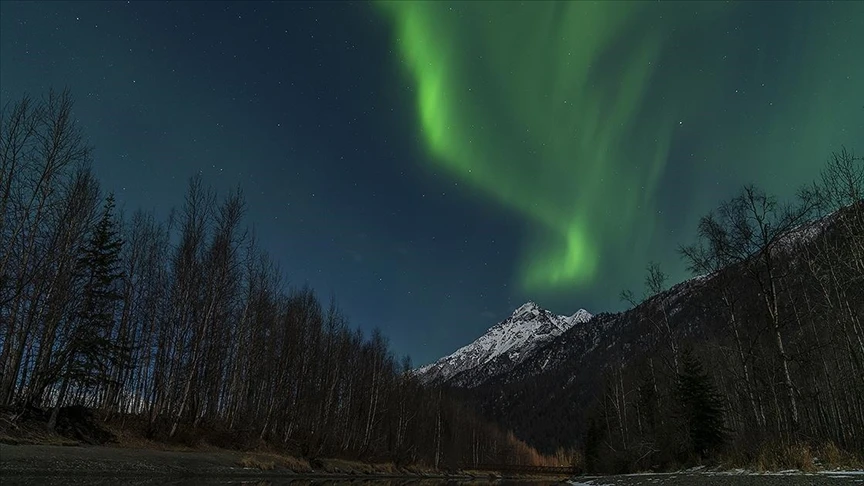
(267, 461)
(240, 447)
(481, 474)
(295, 464)
(832, 457)
(131, 439)
(785, 456)
(342, 466)
(249, 462)
(259, 456)
(41, 439)
(420, 470)
(561, 458)
(801, 456)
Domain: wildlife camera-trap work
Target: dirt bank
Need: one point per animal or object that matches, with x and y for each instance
(46, 461)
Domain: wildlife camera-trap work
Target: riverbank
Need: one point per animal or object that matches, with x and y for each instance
(97, 465)
(724, 478)
(82, 444)
(115, 462)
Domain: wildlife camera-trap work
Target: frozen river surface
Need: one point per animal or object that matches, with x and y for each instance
(724, 479)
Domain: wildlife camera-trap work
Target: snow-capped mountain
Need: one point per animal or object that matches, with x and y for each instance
(502, 347)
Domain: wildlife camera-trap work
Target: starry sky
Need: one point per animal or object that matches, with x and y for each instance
(435, 164)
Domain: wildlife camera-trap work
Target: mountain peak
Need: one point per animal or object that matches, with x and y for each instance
(581, 315)
(510, 341)
(528, 305)
(527, 308)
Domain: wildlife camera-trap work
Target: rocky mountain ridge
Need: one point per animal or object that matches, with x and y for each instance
(502, 347)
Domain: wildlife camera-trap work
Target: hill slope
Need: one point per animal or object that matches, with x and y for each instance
(610, 383)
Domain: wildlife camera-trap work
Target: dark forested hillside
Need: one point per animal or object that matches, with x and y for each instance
(185, 328)
(772, 327)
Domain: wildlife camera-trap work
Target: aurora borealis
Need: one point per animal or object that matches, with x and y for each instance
(436, 164)
(569, 113)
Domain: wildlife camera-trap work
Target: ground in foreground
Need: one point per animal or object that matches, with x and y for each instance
(65, 465)
(731, 478)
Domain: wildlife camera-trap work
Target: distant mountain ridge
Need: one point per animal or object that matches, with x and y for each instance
(534, 340)
(502, 347)
(552, 398)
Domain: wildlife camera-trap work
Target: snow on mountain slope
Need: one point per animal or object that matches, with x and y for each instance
(503, 346)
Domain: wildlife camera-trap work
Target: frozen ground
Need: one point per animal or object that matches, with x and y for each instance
(732, 478)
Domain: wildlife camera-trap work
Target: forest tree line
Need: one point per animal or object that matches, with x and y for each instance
(756, 361)
(760, 361)
(186, 327)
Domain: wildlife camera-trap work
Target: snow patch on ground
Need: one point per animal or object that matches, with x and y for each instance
(842, 474)
(856, 475)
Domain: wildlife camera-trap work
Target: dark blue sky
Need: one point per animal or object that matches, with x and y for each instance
(311, 110)
(299, 104)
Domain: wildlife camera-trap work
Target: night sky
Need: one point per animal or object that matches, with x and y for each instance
(434, 165)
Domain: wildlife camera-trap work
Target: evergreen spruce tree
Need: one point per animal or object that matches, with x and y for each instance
(700, 406)
(92, 350)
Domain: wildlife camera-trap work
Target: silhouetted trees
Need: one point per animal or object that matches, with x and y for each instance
(700, 406)
(186, 327)
(92, 352)
(774, 336)
(775, 310)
